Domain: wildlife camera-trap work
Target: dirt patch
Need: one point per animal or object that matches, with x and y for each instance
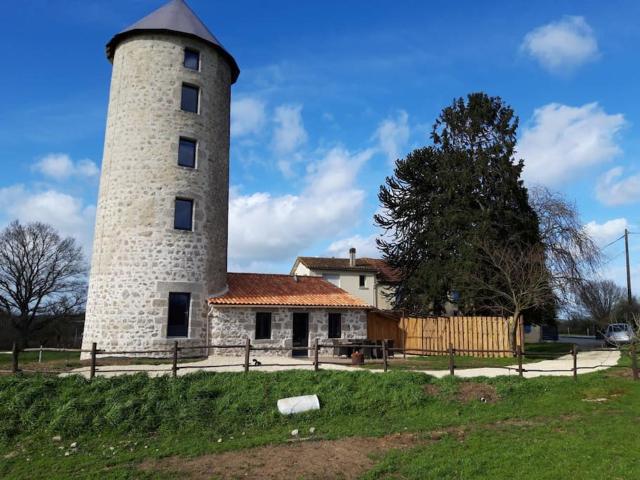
(477, 392)
(345, 458)
(530, 422)
(431, 390)
(515, 422)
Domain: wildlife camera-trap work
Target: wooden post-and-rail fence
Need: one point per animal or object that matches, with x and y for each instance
(384, 349)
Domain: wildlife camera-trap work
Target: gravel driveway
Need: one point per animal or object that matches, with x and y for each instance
(587, 362)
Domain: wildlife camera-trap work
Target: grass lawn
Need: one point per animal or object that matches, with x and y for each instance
(535, 352)
(65, 361)
(141, 427)
(55, 361)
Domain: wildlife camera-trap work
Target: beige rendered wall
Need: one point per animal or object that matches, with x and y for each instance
(349, 281)
(384, 303)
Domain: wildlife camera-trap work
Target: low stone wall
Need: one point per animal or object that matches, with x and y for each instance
(233, 325)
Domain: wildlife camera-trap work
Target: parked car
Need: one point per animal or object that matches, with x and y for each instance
(619, 333)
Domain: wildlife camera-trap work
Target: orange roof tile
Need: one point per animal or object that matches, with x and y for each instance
(284, 290)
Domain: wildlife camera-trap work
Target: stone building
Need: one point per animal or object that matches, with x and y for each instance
(285, 311)
(160, 242)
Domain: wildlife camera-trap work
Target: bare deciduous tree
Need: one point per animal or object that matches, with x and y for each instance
(521, 281)
(42, 276)
(599, 299)
(572, 256)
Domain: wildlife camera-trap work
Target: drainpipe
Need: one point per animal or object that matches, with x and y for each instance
(208, 332)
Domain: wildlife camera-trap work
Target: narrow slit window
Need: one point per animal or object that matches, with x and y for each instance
(263, 325)
(191, 59)
(183, 218)
(335, 325)
(363, 281)
(187, 153)
(178, 322)
(190, 98)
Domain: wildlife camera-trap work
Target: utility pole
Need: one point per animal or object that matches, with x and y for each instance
(626, 253)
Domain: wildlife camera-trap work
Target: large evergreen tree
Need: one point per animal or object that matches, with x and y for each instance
(444, 199)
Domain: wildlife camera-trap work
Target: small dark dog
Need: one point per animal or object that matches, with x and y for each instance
(256, 363)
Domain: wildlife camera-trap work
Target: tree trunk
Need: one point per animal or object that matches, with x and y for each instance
(513, 331)
(22, 333)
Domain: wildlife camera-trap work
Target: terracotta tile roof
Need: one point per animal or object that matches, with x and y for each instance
(284, 290)
(385, 272)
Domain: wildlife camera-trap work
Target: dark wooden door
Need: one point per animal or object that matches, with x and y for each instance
(300, 333)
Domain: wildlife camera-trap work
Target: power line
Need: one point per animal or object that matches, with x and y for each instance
(611, 259)
(611, 243)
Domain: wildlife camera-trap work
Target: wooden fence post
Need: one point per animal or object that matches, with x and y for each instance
(315, 355)
(634, 361)
(14, 358)
(40, 354)
(574, 353)
(404, 336)
(174, 366)
(519, 353)
(385, 355)
(247, 354)
(451, 360)
(92, 370)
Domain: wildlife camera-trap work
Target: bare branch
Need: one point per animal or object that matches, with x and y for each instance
(42, 276)
(572, 256)
(520, 281)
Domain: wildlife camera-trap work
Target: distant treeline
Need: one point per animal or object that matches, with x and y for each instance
(62, 332)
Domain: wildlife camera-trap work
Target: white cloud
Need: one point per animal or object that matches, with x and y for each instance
(612, 189)
(563, 45)
(365, 246)
(289, 133)
(67, 214)
(562, 141)
(614, 265)
(604, 233)
(288, 136)
(248, 116)
(60, 166)
(393, 135)
(268, 228)
(87, 168)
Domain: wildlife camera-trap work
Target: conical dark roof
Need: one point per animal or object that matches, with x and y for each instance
(174, 17)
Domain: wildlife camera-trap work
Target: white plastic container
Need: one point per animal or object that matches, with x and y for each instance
(287, 406)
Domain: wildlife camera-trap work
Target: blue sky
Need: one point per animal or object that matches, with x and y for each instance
(329, 94)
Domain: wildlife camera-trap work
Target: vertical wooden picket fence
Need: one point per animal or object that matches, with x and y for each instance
(480, 336)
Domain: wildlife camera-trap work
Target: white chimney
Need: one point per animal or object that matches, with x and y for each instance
(352, 257)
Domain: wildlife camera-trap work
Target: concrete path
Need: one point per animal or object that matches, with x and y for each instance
(561, 367)
(587, 362)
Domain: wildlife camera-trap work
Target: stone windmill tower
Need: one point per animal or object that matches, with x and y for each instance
(160, 244)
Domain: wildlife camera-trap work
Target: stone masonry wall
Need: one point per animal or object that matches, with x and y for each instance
(232, 326)
(138, 257)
